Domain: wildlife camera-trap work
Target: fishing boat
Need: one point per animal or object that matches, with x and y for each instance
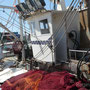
(57, 47)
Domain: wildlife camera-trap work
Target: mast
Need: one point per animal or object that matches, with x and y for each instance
(54, 5)
(21, 35)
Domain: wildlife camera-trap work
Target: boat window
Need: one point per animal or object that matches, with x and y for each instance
(32, 26)
(44, 26)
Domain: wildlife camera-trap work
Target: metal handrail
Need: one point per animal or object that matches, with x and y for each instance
(83, 51)
(75, 53)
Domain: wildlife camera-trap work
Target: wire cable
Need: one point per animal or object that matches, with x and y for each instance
(59, 25)
(13, 21)
(66, 14)
(8, 20)
(16, 25)
(58, 41)
(73, 0)
(18, 22)
(79, 72)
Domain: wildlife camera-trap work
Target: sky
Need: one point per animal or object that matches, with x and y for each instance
(10, 2)
(4, 13)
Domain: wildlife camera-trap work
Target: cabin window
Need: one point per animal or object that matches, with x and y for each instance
(32, 27)
(44, 27)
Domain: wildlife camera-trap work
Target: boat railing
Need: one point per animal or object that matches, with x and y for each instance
(77, 54)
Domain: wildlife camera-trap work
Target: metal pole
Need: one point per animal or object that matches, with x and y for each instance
(4, 27)
(54, 4)
(8, 7)
(21, 35)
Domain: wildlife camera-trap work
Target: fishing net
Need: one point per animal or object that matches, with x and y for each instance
(56, 81)
(27, 81)
(41, 80)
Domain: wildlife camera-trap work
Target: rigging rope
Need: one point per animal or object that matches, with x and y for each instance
(58, 41)
(61, 37)
(59, 27)
(13, 21)
(8, 20)
(17, 26)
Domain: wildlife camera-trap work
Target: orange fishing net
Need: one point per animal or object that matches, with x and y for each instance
(28, 83)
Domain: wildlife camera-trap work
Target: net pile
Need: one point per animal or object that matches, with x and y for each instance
(56, 81)
(41, 80)
(27, 81)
